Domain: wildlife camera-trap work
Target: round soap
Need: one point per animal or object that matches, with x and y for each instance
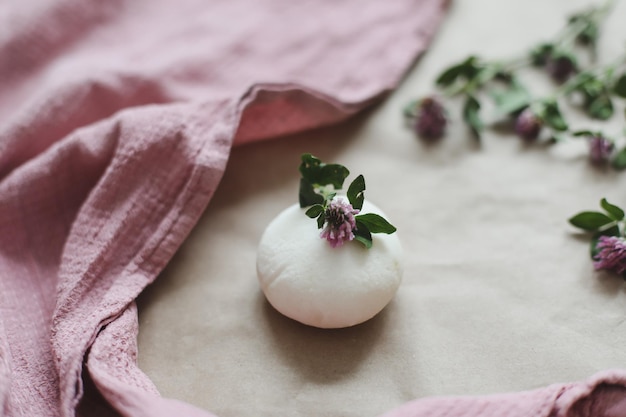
(306, 279)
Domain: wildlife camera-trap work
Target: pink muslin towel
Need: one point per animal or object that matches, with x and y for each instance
(116, 121)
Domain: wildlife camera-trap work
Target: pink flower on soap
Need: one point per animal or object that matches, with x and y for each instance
(611, 254)
(340, 222)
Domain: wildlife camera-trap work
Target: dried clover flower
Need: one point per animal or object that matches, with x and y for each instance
(528, 125)
(429, 118)
(600, 149)
(561, 67)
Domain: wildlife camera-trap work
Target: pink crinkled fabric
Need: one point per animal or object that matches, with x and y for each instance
(116, 121)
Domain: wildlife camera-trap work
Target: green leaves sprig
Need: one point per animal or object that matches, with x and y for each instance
(473, 79)
(610, 222)
(318, 187)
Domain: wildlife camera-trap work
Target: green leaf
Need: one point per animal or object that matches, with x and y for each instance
(511, 100)
(315, 211)
(589, 35)
(448, 76)
(620, 86)
(590, 220)
(601, 107)
(587, 27)
(539, 55)
(556, 138)
(619, 160)
(584, 133)
(320, 221)
(585, 82)
(472, 117)
(614, 212)
(309, 162)
(319, 174)
(307, 195)
(374, 223)
(355, 192)
(591, 87)
(410, 110)
(361, 234)
(552, 116)
(467, 69)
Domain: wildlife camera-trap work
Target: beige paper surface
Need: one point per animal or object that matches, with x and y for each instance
(499, 293)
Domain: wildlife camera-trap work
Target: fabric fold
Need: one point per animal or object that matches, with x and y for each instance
(603, 394)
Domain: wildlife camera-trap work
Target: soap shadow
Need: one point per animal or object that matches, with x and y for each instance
(323, 355)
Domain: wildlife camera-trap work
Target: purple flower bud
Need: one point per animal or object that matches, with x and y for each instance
(340, 222)
(611, 254)
(430, 118)
(561, 67)
(528, 125)
(600, 149)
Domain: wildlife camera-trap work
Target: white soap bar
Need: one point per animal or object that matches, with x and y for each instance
(306, 279)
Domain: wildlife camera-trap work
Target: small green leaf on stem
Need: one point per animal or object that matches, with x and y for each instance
(321, 219)
(590, 220)
(467, 69)
(614, 212)
(512, 100)
(307, 195)
(410, 110)
(355, 192)
(315, 211)
(620, 86)
(619, 160)
(551, 115)
(539, 55)
(375, 223)
(318, 173)
(583, 133)
(363, 235)
(600, 107)
(471, 116)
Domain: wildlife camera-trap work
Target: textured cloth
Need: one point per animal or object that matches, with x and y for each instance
(603, 395)
(116, 122)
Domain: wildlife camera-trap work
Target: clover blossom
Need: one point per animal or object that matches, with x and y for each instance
(528, 125)
(611, 254)
(430, 118)
(340, 222)
(561, 67)
(600, 149)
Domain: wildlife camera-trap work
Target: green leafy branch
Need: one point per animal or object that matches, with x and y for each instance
(473, 78)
